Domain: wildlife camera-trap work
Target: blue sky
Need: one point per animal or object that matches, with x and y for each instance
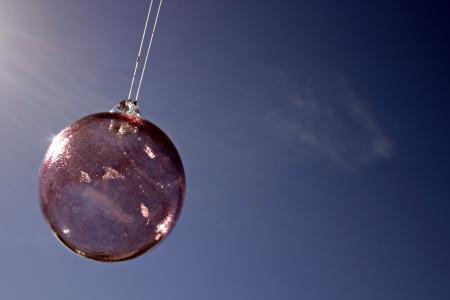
(314, 135)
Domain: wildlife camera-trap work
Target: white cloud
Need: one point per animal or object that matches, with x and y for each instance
(329, 117)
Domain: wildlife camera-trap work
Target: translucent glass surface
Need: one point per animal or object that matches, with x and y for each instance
(111, 186)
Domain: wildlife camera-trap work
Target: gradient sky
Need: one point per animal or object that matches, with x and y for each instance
(314, 134)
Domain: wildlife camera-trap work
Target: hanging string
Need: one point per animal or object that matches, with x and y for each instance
(138, 58)
(148, 49)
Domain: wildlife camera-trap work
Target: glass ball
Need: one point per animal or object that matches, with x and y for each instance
(111, 186)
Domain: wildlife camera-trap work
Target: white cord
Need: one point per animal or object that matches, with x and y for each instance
(136, 65)
(148, 50)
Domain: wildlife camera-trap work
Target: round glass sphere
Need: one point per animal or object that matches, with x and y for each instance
(111, 186)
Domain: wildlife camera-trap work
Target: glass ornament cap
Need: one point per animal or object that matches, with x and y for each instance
(111, 185)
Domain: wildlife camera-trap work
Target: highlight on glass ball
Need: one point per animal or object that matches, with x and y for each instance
(111, 185)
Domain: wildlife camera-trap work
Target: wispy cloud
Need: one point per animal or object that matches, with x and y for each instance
(326, 115)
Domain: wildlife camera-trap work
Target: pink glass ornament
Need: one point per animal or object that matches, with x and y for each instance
(112, 185)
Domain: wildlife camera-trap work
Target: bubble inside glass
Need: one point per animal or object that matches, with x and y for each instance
(111, 186)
